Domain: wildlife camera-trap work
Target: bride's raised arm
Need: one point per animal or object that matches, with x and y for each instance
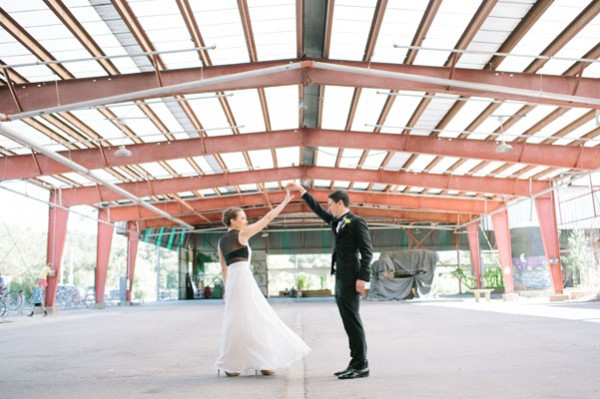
(254, 228)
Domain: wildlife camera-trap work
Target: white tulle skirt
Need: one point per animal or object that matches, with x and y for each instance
(253, 336)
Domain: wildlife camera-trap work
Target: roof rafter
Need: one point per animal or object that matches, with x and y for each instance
(573, 157)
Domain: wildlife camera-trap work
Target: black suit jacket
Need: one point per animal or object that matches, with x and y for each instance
(352, 239)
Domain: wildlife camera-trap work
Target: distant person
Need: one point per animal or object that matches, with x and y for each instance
(350, 262)
(253, 335)
(38, 300)
(207, 292)
(1, 284)
(47, 270)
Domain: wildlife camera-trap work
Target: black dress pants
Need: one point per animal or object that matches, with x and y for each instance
(348, 302)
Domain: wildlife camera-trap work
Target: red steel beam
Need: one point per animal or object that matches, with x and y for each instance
(358, 198)
(502, 186)
(572, 157)
(394, 216)
(73, 91)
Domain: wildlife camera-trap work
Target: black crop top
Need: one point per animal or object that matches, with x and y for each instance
(231, 248)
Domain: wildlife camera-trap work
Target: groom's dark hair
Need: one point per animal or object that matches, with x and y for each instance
(340, 195)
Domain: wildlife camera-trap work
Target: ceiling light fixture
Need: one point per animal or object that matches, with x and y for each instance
(123, 152)
(502, 147)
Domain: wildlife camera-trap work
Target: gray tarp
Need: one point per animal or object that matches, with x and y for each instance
(396, 273)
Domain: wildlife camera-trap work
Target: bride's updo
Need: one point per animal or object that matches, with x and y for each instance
(229, 214)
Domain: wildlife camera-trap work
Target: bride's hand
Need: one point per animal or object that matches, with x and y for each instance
(288, 196)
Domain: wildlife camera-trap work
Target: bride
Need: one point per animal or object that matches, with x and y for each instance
(253, 336)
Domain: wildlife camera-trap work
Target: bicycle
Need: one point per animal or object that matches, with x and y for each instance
(13, 300)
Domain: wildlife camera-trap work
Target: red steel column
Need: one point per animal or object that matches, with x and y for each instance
(546, 214)
(105, 233)
(502, 233)
(473, 234)
(133, 238)
(57, 232)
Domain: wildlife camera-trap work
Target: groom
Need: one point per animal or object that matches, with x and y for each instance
(351, 271)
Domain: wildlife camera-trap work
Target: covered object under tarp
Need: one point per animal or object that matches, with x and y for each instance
(395, 274)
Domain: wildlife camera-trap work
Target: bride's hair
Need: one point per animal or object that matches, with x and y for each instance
(229, 214)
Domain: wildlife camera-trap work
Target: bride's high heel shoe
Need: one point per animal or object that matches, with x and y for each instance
(231, 373)
(267, 372)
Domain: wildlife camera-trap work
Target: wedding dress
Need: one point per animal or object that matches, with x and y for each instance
(253, 336)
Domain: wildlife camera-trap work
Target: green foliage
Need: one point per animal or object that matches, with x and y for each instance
(300, 281)
(578, 258)
(492, 277)
(464, 278)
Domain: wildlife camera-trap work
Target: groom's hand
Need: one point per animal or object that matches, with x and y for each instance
(360, 288)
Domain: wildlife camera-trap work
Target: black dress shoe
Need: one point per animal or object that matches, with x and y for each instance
(338, 373)
(354, 373)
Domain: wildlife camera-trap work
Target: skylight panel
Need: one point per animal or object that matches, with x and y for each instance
(246, 108)
(556, 125)
(77, 178)
(207, 192)
(360, 185)
(402, 110)
(492, 123)
(416, 190)
(89, 19)
(166, 29)
(374, 159)
(106, 176)
(338, 184)
(272, 185)
(155, 170)
(168, 119)
(582, 130)
(289, 156)
(248, 187)
(379, 187)
(274, 28)
(350, 28)
(102, 126)
(556, 18)
(336, 106)
(210, 114)
(145, 129)
(488, 169)
(14, 53)
(261, 159)
(577, 47)
(220, 25)
(533, 172)
(234, 161)
(443, 165)
(322, 183)
(25, 130)
(523, 124)
(45, 27)
(450, 22)
(400, 22)
(465, 116)
(511, 170)
(205, 166)
(421, 162)
(53, 182)
(398, 160)
(182, 167)
(283, 107)
(368, 110)
(494, 31)
(350, 157)
(437, 108)
(327, 156)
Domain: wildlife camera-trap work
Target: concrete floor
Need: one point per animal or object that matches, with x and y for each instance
(436, 349)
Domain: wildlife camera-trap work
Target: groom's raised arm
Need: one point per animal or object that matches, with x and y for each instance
(312, 203)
